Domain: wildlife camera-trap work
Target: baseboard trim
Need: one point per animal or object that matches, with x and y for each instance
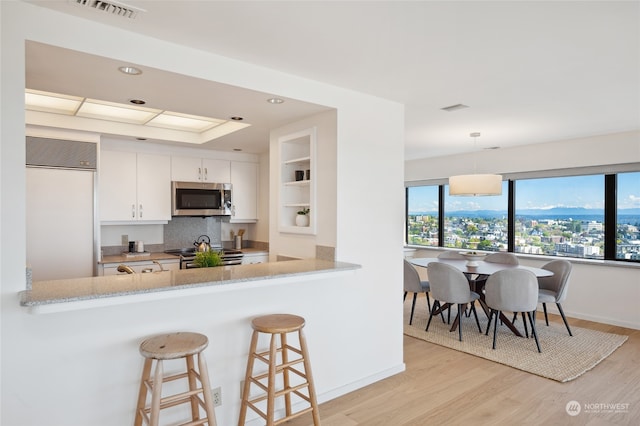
(366, 381)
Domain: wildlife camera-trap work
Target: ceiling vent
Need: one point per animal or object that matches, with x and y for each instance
(455, 107)
(111, 7)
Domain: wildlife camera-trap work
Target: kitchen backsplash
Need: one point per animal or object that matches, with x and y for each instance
(181, 232)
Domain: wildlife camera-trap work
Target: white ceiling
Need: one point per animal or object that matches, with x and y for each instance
(531, 72)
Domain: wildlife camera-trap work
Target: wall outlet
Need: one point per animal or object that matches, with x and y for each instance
(125, 240)
(216, 394)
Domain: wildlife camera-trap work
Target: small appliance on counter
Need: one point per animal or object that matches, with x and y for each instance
(136, 249)
(203, 243)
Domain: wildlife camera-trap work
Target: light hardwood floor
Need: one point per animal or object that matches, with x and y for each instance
(444, 386)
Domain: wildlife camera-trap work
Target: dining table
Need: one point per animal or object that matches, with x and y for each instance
(481, 268)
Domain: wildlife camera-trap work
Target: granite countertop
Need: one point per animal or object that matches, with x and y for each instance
(82, 289)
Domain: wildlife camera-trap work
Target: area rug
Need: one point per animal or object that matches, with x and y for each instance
(563, 357)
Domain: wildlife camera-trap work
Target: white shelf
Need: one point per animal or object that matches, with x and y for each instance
(297, 152)
(297, 230)
(307, 205)
(298, 161)
(298, 183)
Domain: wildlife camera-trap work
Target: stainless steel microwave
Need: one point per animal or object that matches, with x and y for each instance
(200, 199)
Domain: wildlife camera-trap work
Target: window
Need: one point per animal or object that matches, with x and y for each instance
(591, 216)
(628, 216)
(562, 216)
(476, 223)
(422, 215)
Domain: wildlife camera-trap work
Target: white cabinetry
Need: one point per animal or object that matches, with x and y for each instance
(250, 258)
(297, 156)
(192, 169)
(134, 187)
(244, 178)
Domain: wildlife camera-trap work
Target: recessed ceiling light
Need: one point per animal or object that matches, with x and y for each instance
(137, 101)
(236, 118)
(130, 70)
(275, 100)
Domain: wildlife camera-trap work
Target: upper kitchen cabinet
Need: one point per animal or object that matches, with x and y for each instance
(244, 178)
(192, 169)
(134, 187)
(296, 181)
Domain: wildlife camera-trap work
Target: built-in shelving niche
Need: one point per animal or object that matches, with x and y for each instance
(297, 155)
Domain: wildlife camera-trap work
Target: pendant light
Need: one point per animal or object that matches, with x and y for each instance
(476, 184)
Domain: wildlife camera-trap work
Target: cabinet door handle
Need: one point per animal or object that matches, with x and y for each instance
(206, 174)
(140, 211)
(199, 173)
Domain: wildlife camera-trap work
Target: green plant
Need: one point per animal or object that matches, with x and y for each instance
(303, 211)
(206, 259)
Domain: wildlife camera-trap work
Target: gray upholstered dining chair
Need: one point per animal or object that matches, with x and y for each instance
(554, 289)
(454, 255)
(450, 286)
(413, 284)
(500, 257)
(514, 290)
(451, 255)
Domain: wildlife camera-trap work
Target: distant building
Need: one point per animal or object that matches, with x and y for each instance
(589, 226)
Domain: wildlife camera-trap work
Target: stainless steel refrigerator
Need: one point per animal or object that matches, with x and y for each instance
(61, 199)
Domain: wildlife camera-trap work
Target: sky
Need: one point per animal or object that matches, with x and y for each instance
(575, 191)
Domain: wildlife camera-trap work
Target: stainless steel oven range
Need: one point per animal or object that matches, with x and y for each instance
(188, 255)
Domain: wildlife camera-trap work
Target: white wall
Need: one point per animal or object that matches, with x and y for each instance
(599, 291)
(264, 195)
(617, 148)
(82, 367)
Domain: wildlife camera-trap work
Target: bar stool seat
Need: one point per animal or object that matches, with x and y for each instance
(169, 347)
(279, 324)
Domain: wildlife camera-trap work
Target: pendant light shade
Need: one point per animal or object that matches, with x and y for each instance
(476, 184)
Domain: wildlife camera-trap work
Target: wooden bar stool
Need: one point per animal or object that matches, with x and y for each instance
(168, 347)
(279, 324)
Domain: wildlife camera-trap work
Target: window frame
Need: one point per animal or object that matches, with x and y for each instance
(610, 203)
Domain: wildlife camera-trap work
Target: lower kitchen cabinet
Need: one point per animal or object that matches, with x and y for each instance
(249, 258)
(139, 266)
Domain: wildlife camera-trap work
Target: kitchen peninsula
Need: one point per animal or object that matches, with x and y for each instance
(82, 293)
